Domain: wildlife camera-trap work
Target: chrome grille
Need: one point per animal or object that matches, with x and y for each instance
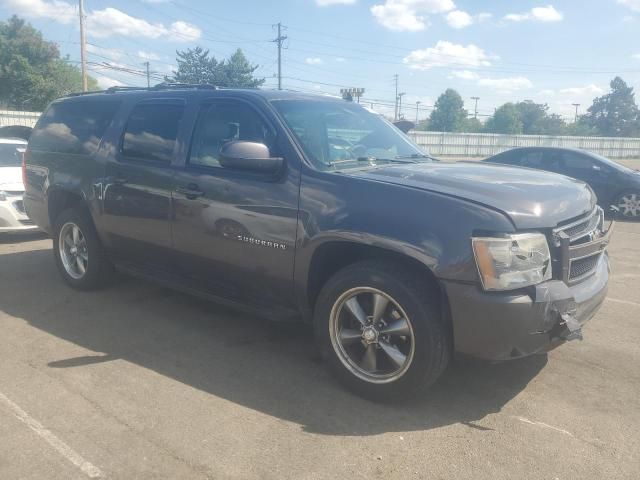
(581, 267)
(579, 246)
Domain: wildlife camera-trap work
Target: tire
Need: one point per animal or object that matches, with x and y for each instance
(98, 271)
(347, 347)
(629, 205)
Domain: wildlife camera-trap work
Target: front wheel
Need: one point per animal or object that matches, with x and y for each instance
(380, 330)
(628, 205)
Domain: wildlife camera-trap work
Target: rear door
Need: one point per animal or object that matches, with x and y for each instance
(138, 184)
(234, 232)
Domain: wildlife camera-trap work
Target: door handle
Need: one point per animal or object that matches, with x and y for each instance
(191, 191)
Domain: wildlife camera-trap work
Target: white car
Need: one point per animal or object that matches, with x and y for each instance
(12, 215)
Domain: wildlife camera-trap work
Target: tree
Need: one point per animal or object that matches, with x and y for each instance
(616, 113)
(506, 119)
(473, 125)
(197, 66)
(532, 115)
(448, 114)
(32, 73)
(552, 124)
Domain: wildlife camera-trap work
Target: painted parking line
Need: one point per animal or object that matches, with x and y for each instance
(62, 448)
(624, 302)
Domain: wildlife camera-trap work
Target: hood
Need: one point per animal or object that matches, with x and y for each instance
(11, 179)
(531, 198)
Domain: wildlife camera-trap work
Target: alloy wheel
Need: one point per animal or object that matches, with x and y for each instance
(72, 246)
(372, 335)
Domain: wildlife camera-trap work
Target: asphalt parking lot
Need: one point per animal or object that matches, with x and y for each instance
(139, 382)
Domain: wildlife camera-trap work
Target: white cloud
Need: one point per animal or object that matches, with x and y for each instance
(105, 23)
(636, 56)
(313, 61)
(111, 21)
(57, 10)
(459, 19)
(107, 82)
(341, 59)
(326, 3)
(409, 15)
(464, 75)
(547, 92)
(148, 55)
(632, 4)
(483, 17)
(540, 14)
(582, 91)
(507, 84)
(447, 54)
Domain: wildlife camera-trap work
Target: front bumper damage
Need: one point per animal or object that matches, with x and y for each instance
(507, 325)
(503, 326)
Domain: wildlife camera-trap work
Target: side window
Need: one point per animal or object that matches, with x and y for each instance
(151, 132)
(224, 122)
(74, 127)
(532, 160)
(576, 163)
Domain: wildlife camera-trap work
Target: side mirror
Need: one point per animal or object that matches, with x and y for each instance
(249, 157)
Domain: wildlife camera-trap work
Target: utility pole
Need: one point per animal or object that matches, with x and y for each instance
(83, 46)
(418, 102)
(400, 105)
(475, 110)
(146, 64)
(395, 111)
(281, 38)
(576, 117)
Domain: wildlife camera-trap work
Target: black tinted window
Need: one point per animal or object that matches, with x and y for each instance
(10, 155)
(72, 127)
(532, 160)
(151, 132)
(573, 161)
(222, 123)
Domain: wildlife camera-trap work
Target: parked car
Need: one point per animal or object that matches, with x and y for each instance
(12, 214)
(614, 184)
(311, 208)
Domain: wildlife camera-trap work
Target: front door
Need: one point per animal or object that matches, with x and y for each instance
(138, 184)
(234, 232)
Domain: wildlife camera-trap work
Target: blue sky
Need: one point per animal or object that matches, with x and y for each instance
(558, 52)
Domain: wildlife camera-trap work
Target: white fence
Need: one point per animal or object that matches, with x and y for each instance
(487, 144)
(15, 117)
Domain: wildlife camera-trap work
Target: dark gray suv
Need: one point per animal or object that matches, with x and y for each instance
(316, 209)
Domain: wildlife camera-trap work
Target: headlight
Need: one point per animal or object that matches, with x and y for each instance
(514, 261)
(3, 196)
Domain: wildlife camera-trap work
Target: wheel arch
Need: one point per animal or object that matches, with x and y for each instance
(332, 255)
(60, 199)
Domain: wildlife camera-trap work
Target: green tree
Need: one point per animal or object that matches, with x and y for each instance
(616, 113)
(552, 124)
(532, 116)
(506, 119)
(197, 66)
(32, 73)
(448, 114)
(473, 125)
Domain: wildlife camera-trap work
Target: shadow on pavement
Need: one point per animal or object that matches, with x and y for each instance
(271, 368)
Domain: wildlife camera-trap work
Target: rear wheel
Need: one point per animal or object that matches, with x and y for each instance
(628, 205)
(379, 327)
(78, 252)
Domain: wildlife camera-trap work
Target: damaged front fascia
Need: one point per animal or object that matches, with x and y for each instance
(559, 309)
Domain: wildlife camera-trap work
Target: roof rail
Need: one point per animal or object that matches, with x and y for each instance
(159, 86)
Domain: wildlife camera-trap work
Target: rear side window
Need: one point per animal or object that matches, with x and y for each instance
(73, 127)
(151, 132)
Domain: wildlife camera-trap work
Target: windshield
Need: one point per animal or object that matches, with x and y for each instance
(337, 135)
(9, 154)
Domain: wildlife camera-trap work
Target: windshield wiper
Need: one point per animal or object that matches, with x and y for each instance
(414, 156)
